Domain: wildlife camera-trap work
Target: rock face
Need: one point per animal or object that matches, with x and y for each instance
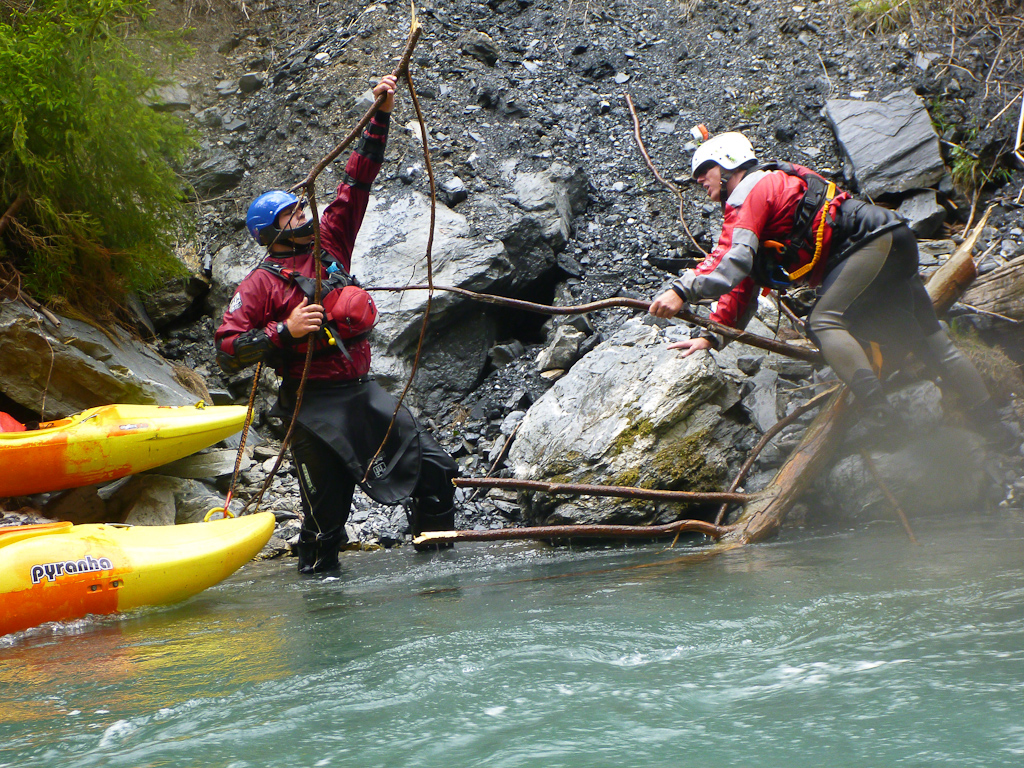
(391, 251)
(632, 413)
(78, 366)
(937, 472)
(889, 146)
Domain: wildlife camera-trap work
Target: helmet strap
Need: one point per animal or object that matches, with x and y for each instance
(723, 194)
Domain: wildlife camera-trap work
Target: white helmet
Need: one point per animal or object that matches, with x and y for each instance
(729, 150)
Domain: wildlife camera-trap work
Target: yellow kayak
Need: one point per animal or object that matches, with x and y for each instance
(109, 442)
(60, 571)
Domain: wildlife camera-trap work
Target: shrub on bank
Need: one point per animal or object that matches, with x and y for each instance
(86, 163)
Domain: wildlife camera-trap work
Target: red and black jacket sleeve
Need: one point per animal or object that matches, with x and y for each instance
(341, 220)
(249, 331)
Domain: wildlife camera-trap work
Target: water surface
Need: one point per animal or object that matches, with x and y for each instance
(842, 648)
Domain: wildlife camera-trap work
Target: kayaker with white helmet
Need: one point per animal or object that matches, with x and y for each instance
(784, 225)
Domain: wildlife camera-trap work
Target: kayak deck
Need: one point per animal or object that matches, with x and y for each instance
(57, 572)
(109, 442)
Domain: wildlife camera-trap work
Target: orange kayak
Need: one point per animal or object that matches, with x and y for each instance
(107, 443)
(60, 571)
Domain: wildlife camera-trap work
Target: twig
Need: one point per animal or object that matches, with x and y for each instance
(1001, 111)
(36, 306)
(430, 272)
(995, 63)
(614, 491)
(1017, 144)
(501, 455)
(981, 311)
(577, 532)
(771, 345)
(788, 310)
(831, 86)
(884, 488)
(657, 175)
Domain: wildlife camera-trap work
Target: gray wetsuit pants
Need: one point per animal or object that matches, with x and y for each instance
(876, 294)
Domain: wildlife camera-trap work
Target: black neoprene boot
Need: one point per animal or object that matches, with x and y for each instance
(985, 419)
(876, 419)
(421, 520)
(318, 552)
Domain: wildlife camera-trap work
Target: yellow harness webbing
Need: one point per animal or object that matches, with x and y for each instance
(819, 240)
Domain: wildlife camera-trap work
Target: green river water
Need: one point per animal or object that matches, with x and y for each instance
(822, 648)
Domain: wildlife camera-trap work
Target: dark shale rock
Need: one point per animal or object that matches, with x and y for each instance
(217, 171)
(889, 146)
(923, 213)
(480, 46)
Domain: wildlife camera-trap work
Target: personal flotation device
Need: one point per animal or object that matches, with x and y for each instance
(349, 309)
(805, 252)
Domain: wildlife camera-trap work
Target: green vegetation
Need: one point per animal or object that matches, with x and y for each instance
(882, 15)
(751, 108)
(970, 174)
(92, 163)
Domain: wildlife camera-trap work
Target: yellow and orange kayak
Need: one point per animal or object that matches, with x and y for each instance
(107, 443)
(60, 571)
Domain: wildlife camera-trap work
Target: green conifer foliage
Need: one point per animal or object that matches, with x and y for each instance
(95, 163)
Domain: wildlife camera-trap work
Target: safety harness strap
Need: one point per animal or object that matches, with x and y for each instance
(818, 198)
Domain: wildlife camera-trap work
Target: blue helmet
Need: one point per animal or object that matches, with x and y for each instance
(261, 219)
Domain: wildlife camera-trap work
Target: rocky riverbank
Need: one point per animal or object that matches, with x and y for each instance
(545, 196)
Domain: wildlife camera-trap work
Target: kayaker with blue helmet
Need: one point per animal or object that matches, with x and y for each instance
(344, 414)
(784, 225)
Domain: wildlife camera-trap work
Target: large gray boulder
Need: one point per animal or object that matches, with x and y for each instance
(391, 251)
(631, 412)
(79, 366)
(889, 145)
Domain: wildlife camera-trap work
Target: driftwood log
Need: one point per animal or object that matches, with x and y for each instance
(949, 281)
(1000, 292)
(765, 512)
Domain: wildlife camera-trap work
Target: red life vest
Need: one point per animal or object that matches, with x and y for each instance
(805, 252)
(350, 310)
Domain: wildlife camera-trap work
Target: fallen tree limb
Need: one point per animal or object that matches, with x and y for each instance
(616, 491)
(753, 340)
(763, 516)
(780, 425)
(577, 532)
